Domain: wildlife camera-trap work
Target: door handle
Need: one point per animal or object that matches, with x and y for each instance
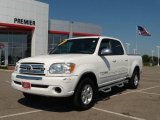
(114, 61)
(126, 60)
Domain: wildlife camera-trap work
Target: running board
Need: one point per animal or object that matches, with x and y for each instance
(108, 87)
(120, 85)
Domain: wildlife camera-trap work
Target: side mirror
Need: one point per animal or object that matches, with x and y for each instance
(106, 51)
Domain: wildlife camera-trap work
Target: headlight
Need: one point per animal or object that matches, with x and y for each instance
(61, 68)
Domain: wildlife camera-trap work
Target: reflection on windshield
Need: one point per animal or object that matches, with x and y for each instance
(81, 46)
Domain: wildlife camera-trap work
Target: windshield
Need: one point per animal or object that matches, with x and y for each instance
(81, 46)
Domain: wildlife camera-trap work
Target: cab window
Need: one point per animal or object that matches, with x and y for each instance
(114, 45)
(106, 43)
(117, 48)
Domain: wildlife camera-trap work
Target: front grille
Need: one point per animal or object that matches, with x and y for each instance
(32, 68)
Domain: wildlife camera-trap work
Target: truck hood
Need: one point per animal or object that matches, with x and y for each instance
(55, 58)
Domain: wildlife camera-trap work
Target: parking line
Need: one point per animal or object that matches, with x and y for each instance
(149, 93)
(126, 93)
(149, 88)
(22, 113)
(8, 82)
(118, 114)
(147, 78)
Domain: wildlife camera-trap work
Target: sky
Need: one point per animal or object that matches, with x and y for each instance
(117, 18)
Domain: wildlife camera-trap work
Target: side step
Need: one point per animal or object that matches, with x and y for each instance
(120, 85)
(108, 88)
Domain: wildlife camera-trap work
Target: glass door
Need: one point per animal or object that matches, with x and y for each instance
(3, 54)
(15, 45)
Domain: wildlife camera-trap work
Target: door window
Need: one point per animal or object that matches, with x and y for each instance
(106, 43)
(117, 48)
(114, 45)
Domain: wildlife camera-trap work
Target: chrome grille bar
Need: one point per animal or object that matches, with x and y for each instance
(32, 68)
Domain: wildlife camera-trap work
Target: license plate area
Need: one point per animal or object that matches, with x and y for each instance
(26, 85)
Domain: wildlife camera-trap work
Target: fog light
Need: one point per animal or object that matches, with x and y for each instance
(58, 89)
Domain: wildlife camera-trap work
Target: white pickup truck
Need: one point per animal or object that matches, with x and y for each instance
(78, 67)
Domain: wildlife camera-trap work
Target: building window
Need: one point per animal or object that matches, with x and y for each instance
(54, 39)
(19, 44)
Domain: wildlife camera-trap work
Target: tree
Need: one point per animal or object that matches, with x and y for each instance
(147, 60)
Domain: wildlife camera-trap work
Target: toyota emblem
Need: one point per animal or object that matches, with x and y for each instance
(29, 67)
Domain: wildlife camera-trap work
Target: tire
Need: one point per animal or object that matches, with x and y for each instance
(84, 97)
(30, 96)
(134, 80)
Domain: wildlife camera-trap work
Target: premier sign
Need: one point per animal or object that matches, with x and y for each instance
(24, 21)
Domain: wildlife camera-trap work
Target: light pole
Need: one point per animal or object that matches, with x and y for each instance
(158, 53)
(128, 44)
(71, 29)
(152, 57)
(134, 51)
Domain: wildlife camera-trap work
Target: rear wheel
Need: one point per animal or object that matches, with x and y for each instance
(134, 81)
(85, 93)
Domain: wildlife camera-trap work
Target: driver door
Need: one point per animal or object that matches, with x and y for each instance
(114, 67)
(107, 67)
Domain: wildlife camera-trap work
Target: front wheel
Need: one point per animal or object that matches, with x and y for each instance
(134, 81)
(85, 93)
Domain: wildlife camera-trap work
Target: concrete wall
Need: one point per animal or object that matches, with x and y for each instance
(30, 10)
(61, 25)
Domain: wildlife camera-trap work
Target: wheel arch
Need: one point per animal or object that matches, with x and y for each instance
(88, 74)
(137, 68)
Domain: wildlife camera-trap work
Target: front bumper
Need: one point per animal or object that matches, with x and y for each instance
(45, 86)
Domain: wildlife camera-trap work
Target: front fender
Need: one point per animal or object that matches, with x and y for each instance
(86, 68)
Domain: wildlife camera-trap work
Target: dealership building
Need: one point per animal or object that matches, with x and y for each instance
(25, 30)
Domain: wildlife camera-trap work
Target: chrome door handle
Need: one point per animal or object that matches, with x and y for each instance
(126, 60)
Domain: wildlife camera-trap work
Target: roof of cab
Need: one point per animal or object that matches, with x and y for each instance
(95, 37)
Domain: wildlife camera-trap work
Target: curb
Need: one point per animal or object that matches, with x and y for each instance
(6, 70)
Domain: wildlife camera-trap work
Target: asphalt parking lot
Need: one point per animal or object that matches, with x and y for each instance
(120, 104)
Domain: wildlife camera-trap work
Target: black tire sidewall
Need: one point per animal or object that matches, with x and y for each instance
(132, 83)
(77, 101)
